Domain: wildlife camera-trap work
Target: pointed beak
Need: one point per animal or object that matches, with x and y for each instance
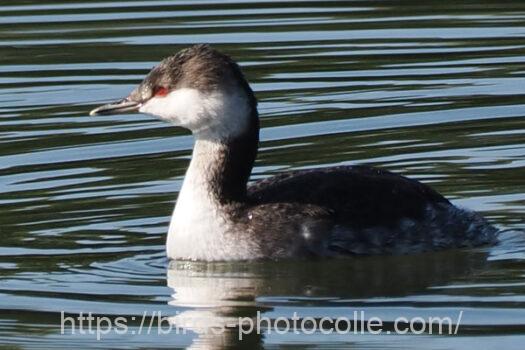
(122, 106)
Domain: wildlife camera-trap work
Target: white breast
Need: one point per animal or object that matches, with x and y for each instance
(200, 229)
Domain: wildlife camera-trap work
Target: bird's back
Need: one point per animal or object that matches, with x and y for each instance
(358, 196)
(363, 211)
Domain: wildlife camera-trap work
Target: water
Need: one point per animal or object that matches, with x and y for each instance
(428, 89)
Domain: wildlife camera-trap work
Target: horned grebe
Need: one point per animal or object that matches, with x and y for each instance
(328, 212)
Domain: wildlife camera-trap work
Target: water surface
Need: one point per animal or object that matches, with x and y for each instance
(426, 89)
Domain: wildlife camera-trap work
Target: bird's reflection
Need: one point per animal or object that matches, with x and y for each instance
(218, 295)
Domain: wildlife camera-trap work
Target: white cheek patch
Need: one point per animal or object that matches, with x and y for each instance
(177, 107)
(215, 115)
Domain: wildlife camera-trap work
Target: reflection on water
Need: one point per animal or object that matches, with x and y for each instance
(429, 90)
(220, 296)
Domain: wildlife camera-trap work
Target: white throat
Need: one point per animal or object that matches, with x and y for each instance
(195, 219)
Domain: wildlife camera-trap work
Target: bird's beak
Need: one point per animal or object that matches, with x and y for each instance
(122, 106)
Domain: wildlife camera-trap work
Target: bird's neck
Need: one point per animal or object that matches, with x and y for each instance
(220, 168)
(215, 186)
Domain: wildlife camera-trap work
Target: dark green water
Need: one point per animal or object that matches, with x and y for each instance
(431, 89)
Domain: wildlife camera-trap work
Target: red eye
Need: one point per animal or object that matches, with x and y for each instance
(161, 91)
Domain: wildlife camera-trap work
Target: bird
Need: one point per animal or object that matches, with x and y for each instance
(328, 212)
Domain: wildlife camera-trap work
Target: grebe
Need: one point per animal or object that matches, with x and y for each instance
(328, 212)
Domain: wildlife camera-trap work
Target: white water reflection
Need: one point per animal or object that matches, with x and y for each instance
(218, 297)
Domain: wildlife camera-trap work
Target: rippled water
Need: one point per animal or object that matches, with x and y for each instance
(430, 89)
